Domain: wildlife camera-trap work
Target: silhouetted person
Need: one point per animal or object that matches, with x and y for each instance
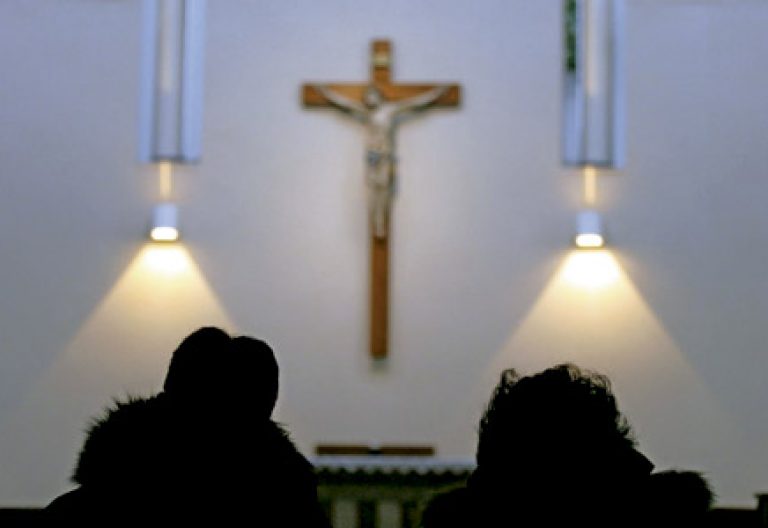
(203, 450)
(678, 498)
(554, 450)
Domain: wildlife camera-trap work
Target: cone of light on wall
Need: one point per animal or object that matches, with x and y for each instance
(165, 223)
(589, 230)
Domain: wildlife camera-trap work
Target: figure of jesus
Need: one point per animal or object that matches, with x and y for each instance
(380, 118)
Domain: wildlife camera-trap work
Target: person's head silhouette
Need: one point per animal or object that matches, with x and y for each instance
(556, 437)
(212, 369)
(254, 382)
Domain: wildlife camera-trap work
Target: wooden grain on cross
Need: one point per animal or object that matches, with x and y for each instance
(352, 97)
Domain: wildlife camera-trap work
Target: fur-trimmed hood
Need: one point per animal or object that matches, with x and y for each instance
(154, 439)
(174, 462)
(165, 462)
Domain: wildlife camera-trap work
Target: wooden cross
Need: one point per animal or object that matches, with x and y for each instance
(380, 105)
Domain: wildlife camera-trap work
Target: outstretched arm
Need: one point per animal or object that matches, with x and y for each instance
(423, 100)
(341, 102)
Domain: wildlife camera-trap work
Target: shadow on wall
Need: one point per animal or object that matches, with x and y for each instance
(122, 348)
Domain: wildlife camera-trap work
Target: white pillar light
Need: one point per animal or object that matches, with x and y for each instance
(172, 80)
(165, 226)
(589, 230)
(593, 91)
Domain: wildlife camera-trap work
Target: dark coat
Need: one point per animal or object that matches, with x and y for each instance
(153, 461)
(632, 500)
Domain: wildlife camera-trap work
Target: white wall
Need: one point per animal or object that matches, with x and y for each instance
(275, 232)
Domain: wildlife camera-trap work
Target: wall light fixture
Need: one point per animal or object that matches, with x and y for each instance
(589, 230)
(165, 226)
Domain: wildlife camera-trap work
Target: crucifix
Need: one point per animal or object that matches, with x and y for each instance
(380, 106)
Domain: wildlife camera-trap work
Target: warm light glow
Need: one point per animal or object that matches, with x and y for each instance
(614, 331)
(165, 176)
(589, 241)
(121, 349)
(591, 270)
(590, 185)
(164, 234)
(168, 260)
